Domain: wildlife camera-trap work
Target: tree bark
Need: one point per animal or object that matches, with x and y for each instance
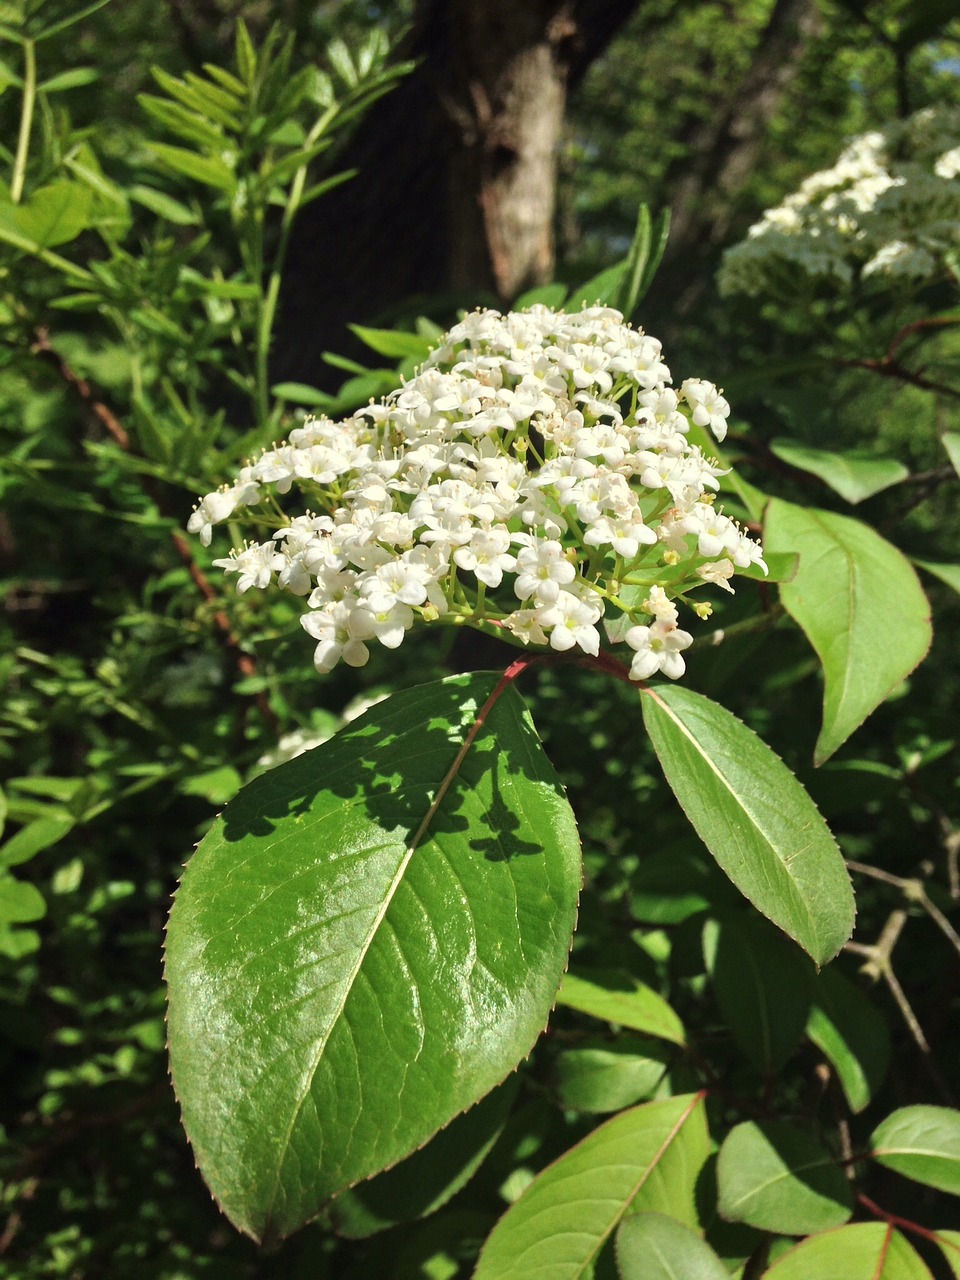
(724, 154)
(457, 173)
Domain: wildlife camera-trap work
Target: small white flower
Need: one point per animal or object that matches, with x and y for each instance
(658, 648)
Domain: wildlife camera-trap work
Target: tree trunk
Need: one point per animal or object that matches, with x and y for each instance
(724, 154)
(457, 173)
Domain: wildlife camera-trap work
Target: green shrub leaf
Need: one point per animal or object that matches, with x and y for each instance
(855, 474)
(861, 606)
(864, 1251)
(754, 817)
(922, 1143)
(777, 1178)
(851, 1035)
(368, 940)
(622, 1000)
(561, 1222)
(651, 1246)
(763, 986)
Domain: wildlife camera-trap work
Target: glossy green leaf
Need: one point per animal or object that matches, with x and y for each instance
(651, 1246)
(851, 1035)
(951, 442)
(864, 1251)
(778, 1178)
(425, 1181)
(861, 606)
(922, 1143)
(164, 206)
(754, 817)
(561, 1222)
(609, 1076)
(855, 474)
(763, 987)
(622, 1000)
(948, 573)
(368, 940)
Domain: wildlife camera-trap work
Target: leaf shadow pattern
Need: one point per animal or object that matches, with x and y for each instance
(393, 762)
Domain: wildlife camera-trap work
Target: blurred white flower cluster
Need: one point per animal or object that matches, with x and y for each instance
(533, 479)
(889, 208)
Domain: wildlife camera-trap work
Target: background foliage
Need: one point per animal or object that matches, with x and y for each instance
(144, 224)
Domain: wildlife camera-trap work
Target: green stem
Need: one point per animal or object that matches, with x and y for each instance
(26, 120)
(268, 308)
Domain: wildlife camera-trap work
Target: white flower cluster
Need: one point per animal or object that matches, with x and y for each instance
(534, 478)
(890, 208)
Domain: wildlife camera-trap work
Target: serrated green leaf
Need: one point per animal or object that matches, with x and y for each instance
(622, 1000)
(651, 1246)
(763, 987)
(754, 817)
(425, 1181)
(863, 1251)
(922, 1143)
(859, 603)
(855, 474)
(778, 1178)
(368, 940)
(851, 1034)
(561, 1222)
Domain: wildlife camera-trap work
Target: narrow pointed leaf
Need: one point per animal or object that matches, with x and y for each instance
(561, 1222)
(922, 1143)
(855, 474)
(860, 604)
(651, 1246)
(754, 817)
(623, 1000)
(367, 941)
(777, 1178)
(864, 1251)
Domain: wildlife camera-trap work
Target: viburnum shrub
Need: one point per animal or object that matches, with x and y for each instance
(534, 479)
(373, 934)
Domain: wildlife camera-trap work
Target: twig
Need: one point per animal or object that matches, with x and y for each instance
(245, 663)
(878, 957)
(914, 891)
